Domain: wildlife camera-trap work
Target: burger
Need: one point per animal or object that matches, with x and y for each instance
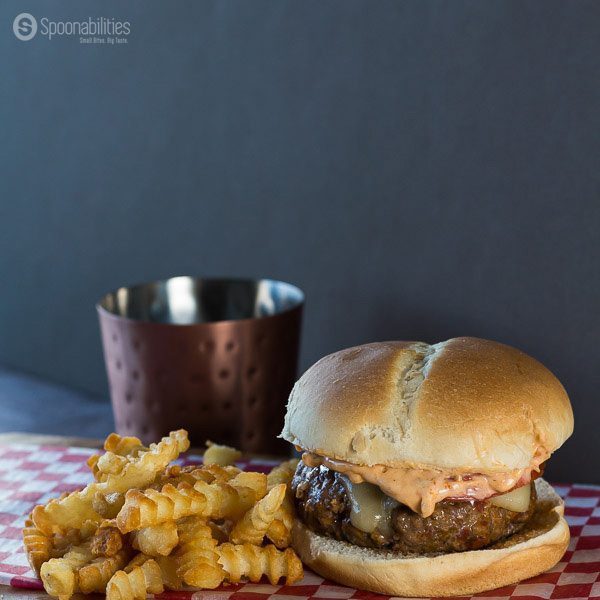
(421, 469)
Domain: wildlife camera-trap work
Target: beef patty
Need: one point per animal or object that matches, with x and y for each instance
(455, 526)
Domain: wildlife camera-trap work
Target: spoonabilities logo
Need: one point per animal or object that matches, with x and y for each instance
(25, 26)
(92, 30)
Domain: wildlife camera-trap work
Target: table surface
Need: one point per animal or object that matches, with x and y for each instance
(576, 576)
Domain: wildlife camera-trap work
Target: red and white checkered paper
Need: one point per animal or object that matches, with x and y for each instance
(32, 474)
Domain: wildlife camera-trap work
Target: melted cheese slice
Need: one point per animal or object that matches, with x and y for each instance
(517, 500)
(370, 508)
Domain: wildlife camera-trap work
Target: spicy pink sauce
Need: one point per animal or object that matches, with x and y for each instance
(422, 489)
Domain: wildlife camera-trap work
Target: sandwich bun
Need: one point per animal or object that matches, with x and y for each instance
(466, 403)
(531, 551)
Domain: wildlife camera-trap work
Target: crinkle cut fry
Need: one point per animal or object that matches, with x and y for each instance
(158, 540)
(174, 474)
(137, 561)
(282, 473)
(190, 474)
(66, 513)
(92, 463)
(114, 445)
(137, 583)
(218, 454)
(168, 570)
(59, 575)
(221, 472)
(253, 526)
(252, 562)
(280, 530)
(149, 508)
(107, 540)
(77, 507)
(123, 446)
(141, 470)
(119, 452)
(215, 500)
(196, 557)
(38, 546)
(279, 534)
(108, 505)
(250, 487)
(95, 576)
(63, 542)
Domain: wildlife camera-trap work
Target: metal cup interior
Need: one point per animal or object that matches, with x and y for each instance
(191, 300)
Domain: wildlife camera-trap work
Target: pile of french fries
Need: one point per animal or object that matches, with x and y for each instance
(145, 525)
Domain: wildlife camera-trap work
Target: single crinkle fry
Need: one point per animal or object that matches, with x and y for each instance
(63, 541)
(106, 541)
(197, 560)
(113, 445)
(279, 534)
(251, 487)
(123, 446)
(175, 475)
(253, 562)
(92, 463)
(59, 575)
(253, 526)
(168, 571)
(220, 472)
(151, 507)
(38, 546)
(280, 530)
(216, 454)
(135, 584)
(94, 576)
(282, 473)
(77, 507)
(248, 488)
(137, 561)
(142, 467)
(215, 500)
(158, 540)
(66, 513)
(108, 505)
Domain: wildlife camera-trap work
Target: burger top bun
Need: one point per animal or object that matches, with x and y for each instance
(466, 403)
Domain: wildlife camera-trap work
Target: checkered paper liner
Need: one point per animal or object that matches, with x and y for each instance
(33, 474)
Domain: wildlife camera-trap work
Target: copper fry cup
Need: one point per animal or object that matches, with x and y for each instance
(217, 357)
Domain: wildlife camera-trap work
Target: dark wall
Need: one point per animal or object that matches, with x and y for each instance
(421, 169)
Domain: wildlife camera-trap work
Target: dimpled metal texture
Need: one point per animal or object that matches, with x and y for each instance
(217, 357)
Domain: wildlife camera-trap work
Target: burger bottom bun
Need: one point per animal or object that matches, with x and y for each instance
(533, 550)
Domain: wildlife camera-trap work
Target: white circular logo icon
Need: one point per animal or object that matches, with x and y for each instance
(25, 26)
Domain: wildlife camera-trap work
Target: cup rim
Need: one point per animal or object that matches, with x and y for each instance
(101, 310)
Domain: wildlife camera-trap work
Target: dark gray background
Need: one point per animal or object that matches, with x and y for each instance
(421, 169)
